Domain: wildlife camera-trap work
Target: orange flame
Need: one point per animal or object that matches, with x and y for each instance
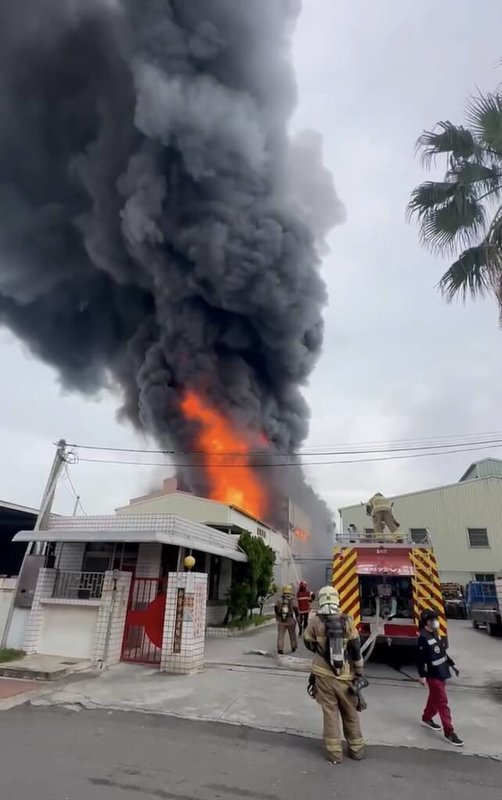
(224, 448)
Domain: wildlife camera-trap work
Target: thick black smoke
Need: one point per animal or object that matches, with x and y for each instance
(157, 227)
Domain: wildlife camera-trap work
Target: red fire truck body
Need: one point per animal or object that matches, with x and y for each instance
(385, 585)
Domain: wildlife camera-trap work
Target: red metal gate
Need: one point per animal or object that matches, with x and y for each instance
(144, 626)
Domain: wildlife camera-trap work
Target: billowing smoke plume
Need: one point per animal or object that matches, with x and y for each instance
(158, 230)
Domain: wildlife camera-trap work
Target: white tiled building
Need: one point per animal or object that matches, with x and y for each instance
(82, 594)
(220, 517)
(80, 601)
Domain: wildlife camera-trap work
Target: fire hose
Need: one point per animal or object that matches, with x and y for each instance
(376, 630)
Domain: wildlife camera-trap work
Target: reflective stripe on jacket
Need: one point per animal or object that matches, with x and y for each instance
(432, 659)
(303, 598)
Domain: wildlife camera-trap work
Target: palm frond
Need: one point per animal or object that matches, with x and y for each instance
(459, 220)
(497, 290)
(494, 259)
(429, 195)
(469, 275)
(484, 115)
(494, 239)
(488, 178)
(450, 138)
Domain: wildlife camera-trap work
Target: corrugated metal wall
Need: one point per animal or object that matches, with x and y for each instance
(448, 512)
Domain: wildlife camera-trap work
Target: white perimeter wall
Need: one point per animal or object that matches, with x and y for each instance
(20, 616)
(7, 587)
(68, 631)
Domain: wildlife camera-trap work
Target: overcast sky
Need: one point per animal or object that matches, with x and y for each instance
(397, 362)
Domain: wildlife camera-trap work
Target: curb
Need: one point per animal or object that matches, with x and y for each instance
(17, 671)
(78, 705)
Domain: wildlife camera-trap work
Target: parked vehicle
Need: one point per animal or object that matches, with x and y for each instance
(385, 585)
(483, 606)
(454, 602)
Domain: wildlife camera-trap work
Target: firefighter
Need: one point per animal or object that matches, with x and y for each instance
(434, 668)
(337, 670)
(286, 614)
(379, 508)
(304, 600)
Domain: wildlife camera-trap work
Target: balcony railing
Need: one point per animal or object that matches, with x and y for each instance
(78, 585)
(371, 537)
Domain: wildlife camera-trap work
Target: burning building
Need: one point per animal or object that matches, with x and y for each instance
(160, 231)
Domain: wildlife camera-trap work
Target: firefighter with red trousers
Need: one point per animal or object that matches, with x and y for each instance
(304, 600)
(434, 668)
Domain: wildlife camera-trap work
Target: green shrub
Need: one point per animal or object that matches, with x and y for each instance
(251, 581)
(10, 655)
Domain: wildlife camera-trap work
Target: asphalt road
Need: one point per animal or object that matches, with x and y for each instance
(54, 754)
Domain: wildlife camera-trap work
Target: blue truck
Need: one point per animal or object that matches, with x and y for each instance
(483, 607)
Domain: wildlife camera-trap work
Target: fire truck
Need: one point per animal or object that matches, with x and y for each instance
(385, 581)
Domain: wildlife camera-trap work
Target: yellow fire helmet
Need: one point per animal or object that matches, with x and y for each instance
(329, 600)
(287, 589)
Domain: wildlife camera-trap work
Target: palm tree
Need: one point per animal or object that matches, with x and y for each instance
(462, 215)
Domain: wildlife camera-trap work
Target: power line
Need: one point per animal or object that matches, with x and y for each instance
(379, 447)
(247, 465)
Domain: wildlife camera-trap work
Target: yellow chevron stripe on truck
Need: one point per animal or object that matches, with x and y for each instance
(346, 581)
(426, 586)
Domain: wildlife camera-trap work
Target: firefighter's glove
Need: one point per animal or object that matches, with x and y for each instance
(361, 702)
(358, 684)
(311, 688)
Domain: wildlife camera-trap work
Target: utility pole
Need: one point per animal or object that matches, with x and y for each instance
(36, 549)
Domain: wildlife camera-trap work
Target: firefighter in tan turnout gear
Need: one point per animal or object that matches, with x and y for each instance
(379, 508)
(286, 614)
(337, 675)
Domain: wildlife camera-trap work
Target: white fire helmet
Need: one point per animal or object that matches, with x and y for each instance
(329, 600)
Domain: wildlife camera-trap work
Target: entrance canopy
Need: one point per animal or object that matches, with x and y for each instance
(161, 528)
(380, 561)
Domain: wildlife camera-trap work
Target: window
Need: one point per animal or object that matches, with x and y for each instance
(419, 535)
(478, 537)
(261, 532)
(484, 577)
(98, 556)
(369, 530)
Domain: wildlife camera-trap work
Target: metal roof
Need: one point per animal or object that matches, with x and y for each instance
(457, 485)
(162, 528)
(16, 507)
(476, 464)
